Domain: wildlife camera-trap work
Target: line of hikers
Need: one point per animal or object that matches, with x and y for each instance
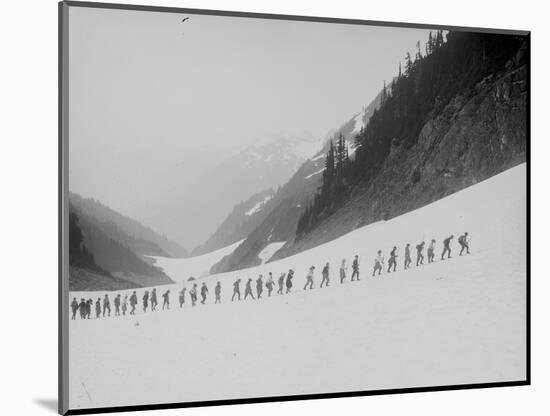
(102, 308)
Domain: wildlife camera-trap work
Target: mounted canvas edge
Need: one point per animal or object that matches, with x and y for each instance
(63, 261)
(302, 18)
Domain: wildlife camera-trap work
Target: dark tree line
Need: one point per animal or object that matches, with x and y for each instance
(426, 84)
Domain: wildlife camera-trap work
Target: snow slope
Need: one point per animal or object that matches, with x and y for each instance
(455, 321)
(270, 250)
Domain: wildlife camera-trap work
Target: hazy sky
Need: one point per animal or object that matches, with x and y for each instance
(151, 96)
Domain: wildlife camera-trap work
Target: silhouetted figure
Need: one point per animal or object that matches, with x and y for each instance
(447, 247)
(117, 305)
(309, 278)
(193, 294)
(464, 242)
(236, 290)
(125, 305)
(74, 309)
(281, 283)
(145, 301)
(98, 308)
(166, 300)
(355, 267)
(269, 284)
(248, 289)
(182, 297)
(392, 262)
(419, 253)
(431, 251)
(343, 271)
(218, 293)
(325, 274)
(408, 259)
(106, 305)
(154, 301)
(378, 263)
(289, 277)
(204, 292)
(89, 304)
(259, 286)
(82, 309)
(133, 303)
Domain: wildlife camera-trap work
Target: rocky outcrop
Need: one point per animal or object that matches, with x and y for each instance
(479, 133)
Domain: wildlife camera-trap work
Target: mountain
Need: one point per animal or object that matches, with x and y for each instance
(279, 216)
(108, 250)
(454, 118)
(138, 238)
(193, 213)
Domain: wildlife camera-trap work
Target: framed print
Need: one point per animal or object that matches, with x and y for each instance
(264, 207)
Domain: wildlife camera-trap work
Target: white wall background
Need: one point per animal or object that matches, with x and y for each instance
(28, 219)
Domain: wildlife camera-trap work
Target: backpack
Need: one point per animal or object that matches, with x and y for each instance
(462, 239)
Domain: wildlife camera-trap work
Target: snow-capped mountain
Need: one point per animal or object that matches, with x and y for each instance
(192, 213)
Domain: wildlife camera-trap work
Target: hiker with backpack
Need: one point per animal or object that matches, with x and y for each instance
(259, 286)
(181, 297)
(343, 271)
(325, 274)
(408, 259)
(204, 292)
(154, 301)
(309, 278)
(447, 247)
(355, 268)
(125, 305)
(393, 259)
(289, 277)
(133, 303)
(248, 289)
(378, 263)
(281, 283)
(419, 253)
(106, 305)
(166, 300)
(98, 308)
(236, 290)
(74, 309)
(145, 300)
(218, 292)
(89, 304)
(193, 294)
(431, 251)
(464, 242)
(117, 305)
(269, 284)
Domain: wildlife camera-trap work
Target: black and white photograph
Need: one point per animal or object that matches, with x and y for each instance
(263, 207)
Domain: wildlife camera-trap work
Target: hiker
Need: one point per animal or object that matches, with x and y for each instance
(289, 277)
(378, 263)
(259, 286)
(355, 267)
(204, 292)
(281, 283)
(82, 308)
(464, 242)
(325, 273)
(343, 269)
(309, 278)
(125, 305)
(236, 290)
(117, 305)
(218, 292)
(166, 299)
(431, 251)
(106, 305)
(269, 284)
(154, 301)
(89, 303)
(193, 294)
(419, 255)
(393, 259)
(182, 297)
(447, 247)
(248, 289)
(98, 308)
(74, 309)
(145, 301)
(133, 303)
(408, 260)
